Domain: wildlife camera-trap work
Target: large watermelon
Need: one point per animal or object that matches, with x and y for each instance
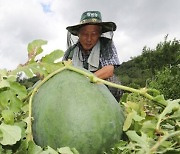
(69, 110)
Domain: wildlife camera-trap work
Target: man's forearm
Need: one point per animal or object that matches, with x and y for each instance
(105, 72)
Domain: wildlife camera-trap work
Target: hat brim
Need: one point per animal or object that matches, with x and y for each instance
(106, 27)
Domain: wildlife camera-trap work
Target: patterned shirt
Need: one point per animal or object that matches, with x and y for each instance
(114, 60)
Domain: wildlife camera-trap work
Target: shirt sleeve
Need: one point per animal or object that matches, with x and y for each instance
(114, 60)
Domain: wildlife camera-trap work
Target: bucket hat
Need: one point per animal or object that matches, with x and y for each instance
(92, 18)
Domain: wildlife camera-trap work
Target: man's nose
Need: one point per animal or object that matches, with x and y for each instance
(89, 38)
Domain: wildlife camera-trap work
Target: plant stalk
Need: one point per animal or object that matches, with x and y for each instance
(30, 118)
(155, 147)
(95, 79)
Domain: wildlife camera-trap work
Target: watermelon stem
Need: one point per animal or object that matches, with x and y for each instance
(164, 138)
(95, 79)
(29, 123)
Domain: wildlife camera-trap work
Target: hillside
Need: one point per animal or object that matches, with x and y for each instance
(143, 69)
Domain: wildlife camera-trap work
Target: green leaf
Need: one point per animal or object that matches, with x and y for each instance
(65, 150)
(148, 127)
(128, 121)
(51, 67)
(25, 108)
(9, 100)
(33, 148)
(172, 105)
(8, 116)
(137, 117)
(130, 117)
(34, 48)
(31, 70)
(166, 144)
(135, 137)
(133, 105)
(121, 145)
(11, 78)
(53, 56)
(142, 141)
(23, 147)
(28, 72)
(49, 150)
(39, 70)
(11, 134)
(160, 99)
(4, 84)
(175, 115)
(124, 97)
(19, 90)
(74, 151)
(23, 127)
(153, 92)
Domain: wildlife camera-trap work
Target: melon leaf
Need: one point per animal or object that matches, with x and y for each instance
(50, 58)
(65, 150)
(4, 84)
(34, 49)
(33, 148)
(10, 134)
(18, 89)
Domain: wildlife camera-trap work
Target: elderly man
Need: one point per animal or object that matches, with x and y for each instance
(92, 51)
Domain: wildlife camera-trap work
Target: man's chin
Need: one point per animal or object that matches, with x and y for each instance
(87, 48)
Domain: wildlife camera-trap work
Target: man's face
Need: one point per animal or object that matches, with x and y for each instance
(89, 35)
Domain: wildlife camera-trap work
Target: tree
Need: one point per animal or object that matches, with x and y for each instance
(140, 68)
(167, 82)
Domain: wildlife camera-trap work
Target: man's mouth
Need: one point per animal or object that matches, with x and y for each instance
(88, 45)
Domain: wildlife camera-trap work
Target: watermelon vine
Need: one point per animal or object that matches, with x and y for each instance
(152, 123)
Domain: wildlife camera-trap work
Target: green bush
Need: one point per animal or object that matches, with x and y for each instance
(167, 82)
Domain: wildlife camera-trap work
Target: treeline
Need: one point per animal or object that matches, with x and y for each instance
(156, 68)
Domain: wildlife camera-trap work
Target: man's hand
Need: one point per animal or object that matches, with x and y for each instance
(105, 72)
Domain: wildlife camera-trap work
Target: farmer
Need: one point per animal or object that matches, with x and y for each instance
(92, 50)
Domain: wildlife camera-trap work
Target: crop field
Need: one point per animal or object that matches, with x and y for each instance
(142, 122)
